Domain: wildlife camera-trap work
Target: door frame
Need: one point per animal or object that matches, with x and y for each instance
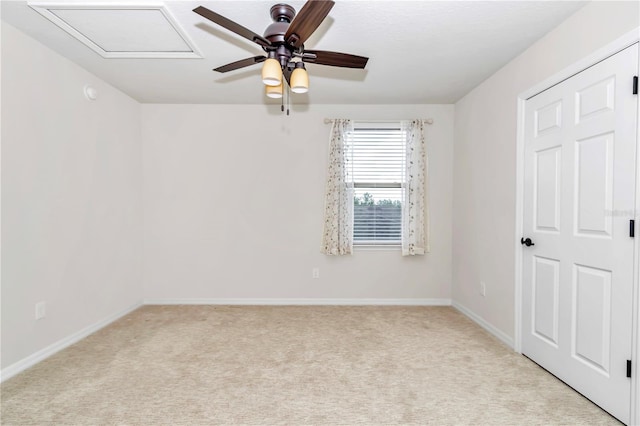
(627, 40)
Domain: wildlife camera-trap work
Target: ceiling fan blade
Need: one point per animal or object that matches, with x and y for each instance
(232, 26)
(307, 20)
(241, 64)
(337, 59)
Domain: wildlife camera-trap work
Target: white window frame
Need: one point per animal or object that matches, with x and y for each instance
(395, 125)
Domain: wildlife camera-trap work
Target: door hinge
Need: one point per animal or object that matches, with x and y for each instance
(632, 228)
(628, 368)
(635, 85)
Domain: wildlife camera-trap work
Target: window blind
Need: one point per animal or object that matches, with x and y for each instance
(376, 165)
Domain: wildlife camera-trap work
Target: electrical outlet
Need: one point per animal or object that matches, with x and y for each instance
(41, 310)
(315, 273)
(483, 289)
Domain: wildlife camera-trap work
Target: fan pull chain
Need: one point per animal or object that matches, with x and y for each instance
(282, 103)
(288, 99)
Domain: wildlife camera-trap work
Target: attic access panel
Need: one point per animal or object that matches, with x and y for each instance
(121, 31)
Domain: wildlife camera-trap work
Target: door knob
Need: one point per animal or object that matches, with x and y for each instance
(527, 242)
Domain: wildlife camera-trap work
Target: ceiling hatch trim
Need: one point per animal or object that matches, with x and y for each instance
(178, 45)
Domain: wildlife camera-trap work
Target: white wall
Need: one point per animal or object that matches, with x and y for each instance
(71, 201)
(485, 158)
(233, 202)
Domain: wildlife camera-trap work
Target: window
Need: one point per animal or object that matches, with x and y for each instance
(375, 160)
(376, 187)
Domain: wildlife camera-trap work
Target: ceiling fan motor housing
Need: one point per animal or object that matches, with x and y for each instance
(282, 15)
(276, 31)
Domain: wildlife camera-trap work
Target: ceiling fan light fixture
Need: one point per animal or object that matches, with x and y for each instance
(299, 79)
(283, 42)
(274, 92)
(272, 72)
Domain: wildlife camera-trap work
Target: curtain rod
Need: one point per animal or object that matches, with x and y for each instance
(331, 120)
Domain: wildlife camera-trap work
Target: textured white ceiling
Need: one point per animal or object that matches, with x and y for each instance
(420, 51)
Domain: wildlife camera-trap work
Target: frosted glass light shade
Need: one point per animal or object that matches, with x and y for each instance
(274, 92)
(299, 81)
(271, 72)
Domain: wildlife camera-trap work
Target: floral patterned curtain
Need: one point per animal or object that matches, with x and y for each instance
(415, 218)
(337, 238)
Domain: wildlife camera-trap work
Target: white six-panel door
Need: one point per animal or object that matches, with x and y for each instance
(580, 151)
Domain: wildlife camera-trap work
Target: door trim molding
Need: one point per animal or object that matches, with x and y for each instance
(635, 348)
(627, 40)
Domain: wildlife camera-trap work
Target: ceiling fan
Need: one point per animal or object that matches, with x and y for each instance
(283, 43)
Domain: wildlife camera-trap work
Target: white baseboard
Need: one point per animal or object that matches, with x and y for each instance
(269, 301)
(36, 357)
(484, 324)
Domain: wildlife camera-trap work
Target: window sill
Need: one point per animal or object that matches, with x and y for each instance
(377, 247)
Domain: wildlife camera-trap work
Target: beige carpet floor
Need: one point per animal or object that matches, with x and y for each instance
(205, 365)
